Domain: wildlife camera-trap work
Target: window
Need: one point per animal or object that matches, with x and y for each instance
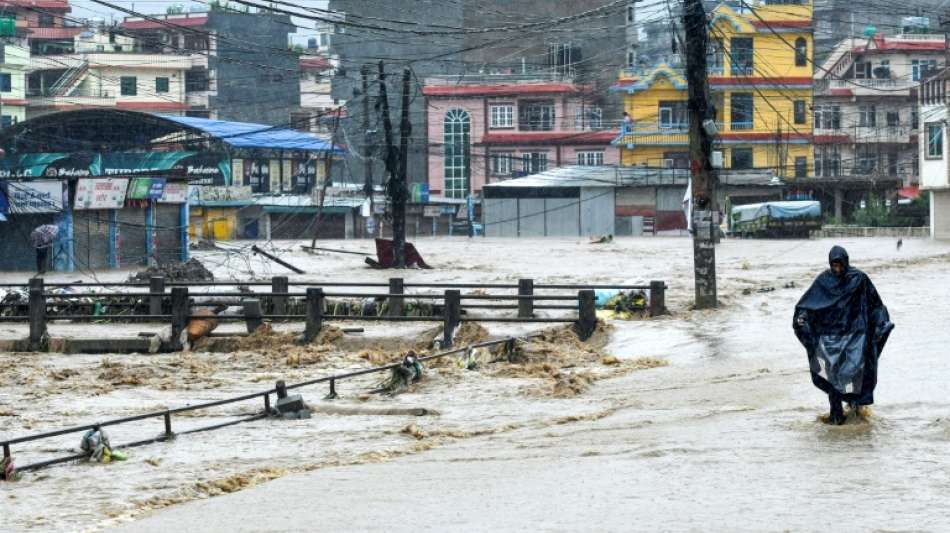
(865, 160)
(5, 83)
(914, 119)
(893, 119)
(714, 57)
(46, 21)
(591, 159)
(161, 85)
(588, 118)
(536, 115)
(534, 162)
(867, 116)
(501, 116)
(6, 121)
(456, 130)
(862, 70)
(631, 14)
(673, 115)
(196, 80)
(128, 85)
(631, 58)
(922, 68)
(934, 140)
(501, 164)
(741, 158)
(799, 111)
(300, 121)
(801, 167)
(827, 162)
(742, 111)
(742, 53)
(801, 52)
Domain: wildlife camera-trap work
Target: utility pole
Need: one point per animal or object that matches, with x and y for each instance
(395, 193)
(702, 128)
(367, 148)
(400, 187)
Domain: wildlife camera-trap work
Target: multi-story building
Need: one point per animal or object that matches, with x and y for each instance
(482, 132)
(760, 76)
(839, 19)
(46, 24)
(14, 64)
(934, 153)
(318, 109)
(866, 122)
(107, 70)
(242, 68)
(465, 37)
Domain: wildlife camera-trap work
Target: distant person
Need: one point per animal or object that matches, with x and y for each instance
(844, 326)
(900, 243)
(627, 125)
(42, 238)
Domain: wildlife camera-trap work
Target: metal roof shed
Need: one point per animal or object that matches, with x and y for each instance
(562, 202)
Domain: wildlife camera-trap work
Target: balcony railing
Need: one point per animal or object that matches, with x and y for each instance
(741, 125)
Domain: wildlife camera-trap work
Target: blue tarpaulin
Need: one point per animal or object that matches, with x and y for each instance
(251, 135)
(780, 210)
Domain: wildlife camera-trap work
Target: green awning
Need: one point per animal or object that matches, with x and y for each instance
(28, 165)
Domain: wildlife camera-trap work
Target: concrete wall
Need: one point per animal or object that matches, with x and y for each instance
(940, 214)
(254, 83)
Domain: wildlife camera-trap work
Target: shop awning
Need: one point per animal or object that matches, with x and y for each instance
(251, 135)
(28, 165)
(912, 193)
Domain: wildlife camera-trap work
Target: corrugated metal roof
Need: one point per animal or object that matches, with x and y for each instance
(611, 176)
(251, 135)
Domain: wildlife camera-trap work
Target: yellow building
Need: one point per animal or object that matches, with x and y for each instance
(760, 77)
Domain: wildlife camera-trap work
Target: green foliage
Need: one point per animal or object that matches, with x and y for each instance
(874, 215)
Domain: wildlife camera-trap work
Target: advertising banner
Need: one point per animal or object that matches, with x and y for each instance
(27, 197)
(101, 193)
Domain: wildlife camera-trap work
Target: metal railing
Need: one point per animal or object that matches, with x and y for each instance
(279, 390)
(281, 301)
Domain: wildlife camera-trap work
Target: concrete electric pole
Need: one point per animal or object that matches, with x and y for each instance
(702, 128)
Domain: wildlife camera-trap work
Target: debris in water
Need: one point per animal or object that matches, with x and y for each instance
(414, 431)
(191, 270)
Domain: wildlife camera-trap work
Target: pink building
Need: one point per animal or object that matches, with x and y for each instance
(483, 133)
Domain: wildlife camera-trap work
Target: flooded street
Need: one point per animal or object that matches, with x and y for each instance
(726, 436)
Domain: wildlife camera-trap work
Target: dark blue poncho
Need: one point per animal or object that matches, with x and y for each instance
(844, 326)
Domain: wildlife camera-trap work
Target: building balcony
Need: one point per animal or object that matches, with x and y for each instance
(102, 99)
(866, 135)
(865, 87)
(131, 60)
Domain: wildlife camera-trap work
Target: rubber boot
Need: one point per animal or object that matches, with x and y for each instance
(836, 416)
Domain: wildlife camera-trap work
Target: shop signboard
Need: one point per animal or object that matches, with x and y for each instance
(101, 193)
(175, 192)
(42, 196)
(146, 188)
(432, 211)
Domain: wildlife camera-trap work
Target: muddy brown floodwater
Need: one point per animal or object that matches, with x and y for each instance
(697, 421)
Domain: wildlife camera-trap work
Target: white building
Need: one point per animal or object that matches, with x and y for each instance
(934, 157)
(865, 112)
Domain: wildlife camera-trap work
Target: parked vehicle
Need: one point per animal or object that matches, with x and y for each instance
(775, 219)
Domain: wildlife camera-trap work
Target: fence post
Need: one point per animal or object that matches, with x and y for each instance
(314, 314)
(252, 314)
(586, 314)
(37, 319)
(396, 286)
(180, 312)
(525, 305)
(451, 316)
(657, 298)
(156, 289)
(279, 285)
(168, 424)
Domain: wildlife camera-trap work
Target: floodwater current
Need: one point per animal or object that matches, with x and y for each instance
(725, 438)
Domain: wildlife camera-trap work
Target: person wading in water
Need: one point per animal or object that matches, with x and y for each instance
(843, 325)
